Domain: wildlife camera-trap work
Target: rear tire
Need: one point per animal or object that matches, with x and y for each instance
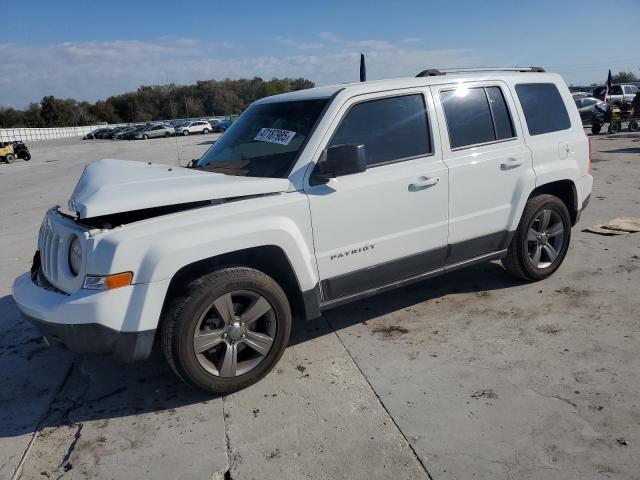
(9, 158)
(210, 336)
(633, 126)
(145, 137)
(205, 131)
(541, 241)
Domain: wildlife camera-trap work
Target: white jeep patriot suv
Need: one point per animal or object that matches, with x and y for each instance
(310, 200)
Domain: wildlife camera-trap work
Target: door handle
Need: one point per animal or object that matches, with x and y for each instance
(423, 182)
(511, 163)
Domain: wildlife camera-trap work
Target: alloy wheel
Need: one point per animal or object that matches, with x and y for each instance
(545, 238)
(235, 333)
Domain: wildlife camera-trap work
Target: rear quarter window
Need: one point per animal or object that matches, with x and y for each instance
(543, 108)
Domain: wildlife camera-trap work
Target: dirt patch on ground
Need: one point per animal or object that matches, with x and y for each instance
(550, 329)
(390, 331)
(573, 293)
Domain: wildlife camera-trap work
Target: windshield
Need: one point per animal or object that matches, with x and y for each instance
(265, 140)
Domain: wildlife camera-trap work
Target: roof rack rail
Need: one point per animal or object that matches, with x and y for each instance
(433, 72)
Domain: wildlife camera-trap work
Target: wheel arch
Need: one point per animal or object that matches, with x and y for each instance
(566, 191)
(269, 259)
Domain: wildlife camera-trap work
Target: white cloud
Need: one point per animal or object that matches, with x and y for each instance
(289, 42)
(96, 70)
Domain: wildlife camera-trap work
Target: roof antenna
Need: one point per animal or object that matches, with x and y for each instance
(173, 117)
(363, 68)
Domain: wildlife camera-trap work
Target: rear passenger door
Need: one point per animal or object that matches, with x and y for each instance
(388, 223)
(490, 167)
(552, 131)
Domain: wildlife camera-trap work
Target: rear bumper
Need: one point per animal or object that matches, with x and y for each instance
(583, 193)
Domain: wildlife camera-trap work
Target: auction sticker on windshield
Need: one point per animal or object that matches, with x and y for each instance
(275, 135)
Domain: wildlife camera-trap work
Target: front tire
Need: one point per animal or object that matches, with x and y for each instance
(541, 241)
(228, 330)
(185, 132)
(9, 158)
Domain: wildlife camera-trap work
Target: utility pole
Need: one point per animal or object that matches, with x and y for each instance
(186, 107)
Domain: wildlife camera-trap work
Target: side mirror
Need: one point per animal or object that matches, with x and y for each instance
(341, 160)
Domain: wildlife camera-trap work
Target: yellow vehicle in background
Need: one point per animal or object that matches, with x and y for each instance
(9, 151)
(6, 152)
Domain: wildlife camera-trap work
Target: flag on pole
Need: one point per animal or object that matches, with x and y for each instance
(363, 68)
(607, 88)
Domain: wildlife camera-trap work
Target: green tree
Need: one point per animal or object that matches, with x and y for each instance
(624, 77)
(153, 102)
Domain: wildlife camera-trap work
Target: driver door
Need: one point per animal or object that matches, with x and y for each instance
(390, 222)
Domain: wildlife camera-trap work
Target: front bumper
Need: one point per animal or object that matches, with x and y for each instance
(95, 339)
(119, 322)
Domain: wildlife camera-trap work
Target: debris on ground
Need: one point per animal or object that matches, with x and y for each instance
(486, 393)
(617, 226)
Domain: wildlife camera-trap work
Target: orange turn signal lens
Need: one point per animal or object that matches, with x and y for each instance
(108, 282)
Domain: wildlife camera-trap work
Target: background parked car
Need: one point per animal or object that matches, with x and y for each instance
(198, 126)
(94, 133)
(104, 133)
(113, 132)
(153, 131)
(222, 126)
(124, 131)
(580, 94)
(587, 108)
(619, 93)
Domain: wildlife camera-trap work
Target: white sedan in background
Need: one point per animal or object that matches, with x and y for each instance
(197, 126)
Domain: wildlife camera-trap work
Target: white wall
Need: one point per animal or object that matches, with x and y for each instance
(33, 134)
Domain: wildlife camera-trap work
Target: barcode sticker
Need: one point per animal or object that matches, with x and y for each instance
(275, 135)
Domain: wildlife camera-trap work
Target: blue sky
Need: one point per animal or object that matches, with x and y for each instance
(90, 50)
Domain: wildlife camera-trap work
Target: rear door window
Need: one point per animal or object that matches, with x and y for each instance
(391, 129)
(543, 108)
(476, 116)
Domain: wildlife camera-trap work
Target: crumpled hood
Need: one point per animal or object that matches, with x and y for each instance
(113, 186)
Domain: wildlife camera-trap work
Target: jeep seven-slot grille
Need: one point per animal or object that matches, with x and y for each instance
(49, 246)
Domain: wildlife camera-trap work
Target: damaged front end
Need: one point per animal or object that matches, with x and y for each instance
(112, 192)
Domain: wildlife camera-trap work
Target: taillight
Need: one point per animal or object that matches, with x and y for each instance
(589, 138)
